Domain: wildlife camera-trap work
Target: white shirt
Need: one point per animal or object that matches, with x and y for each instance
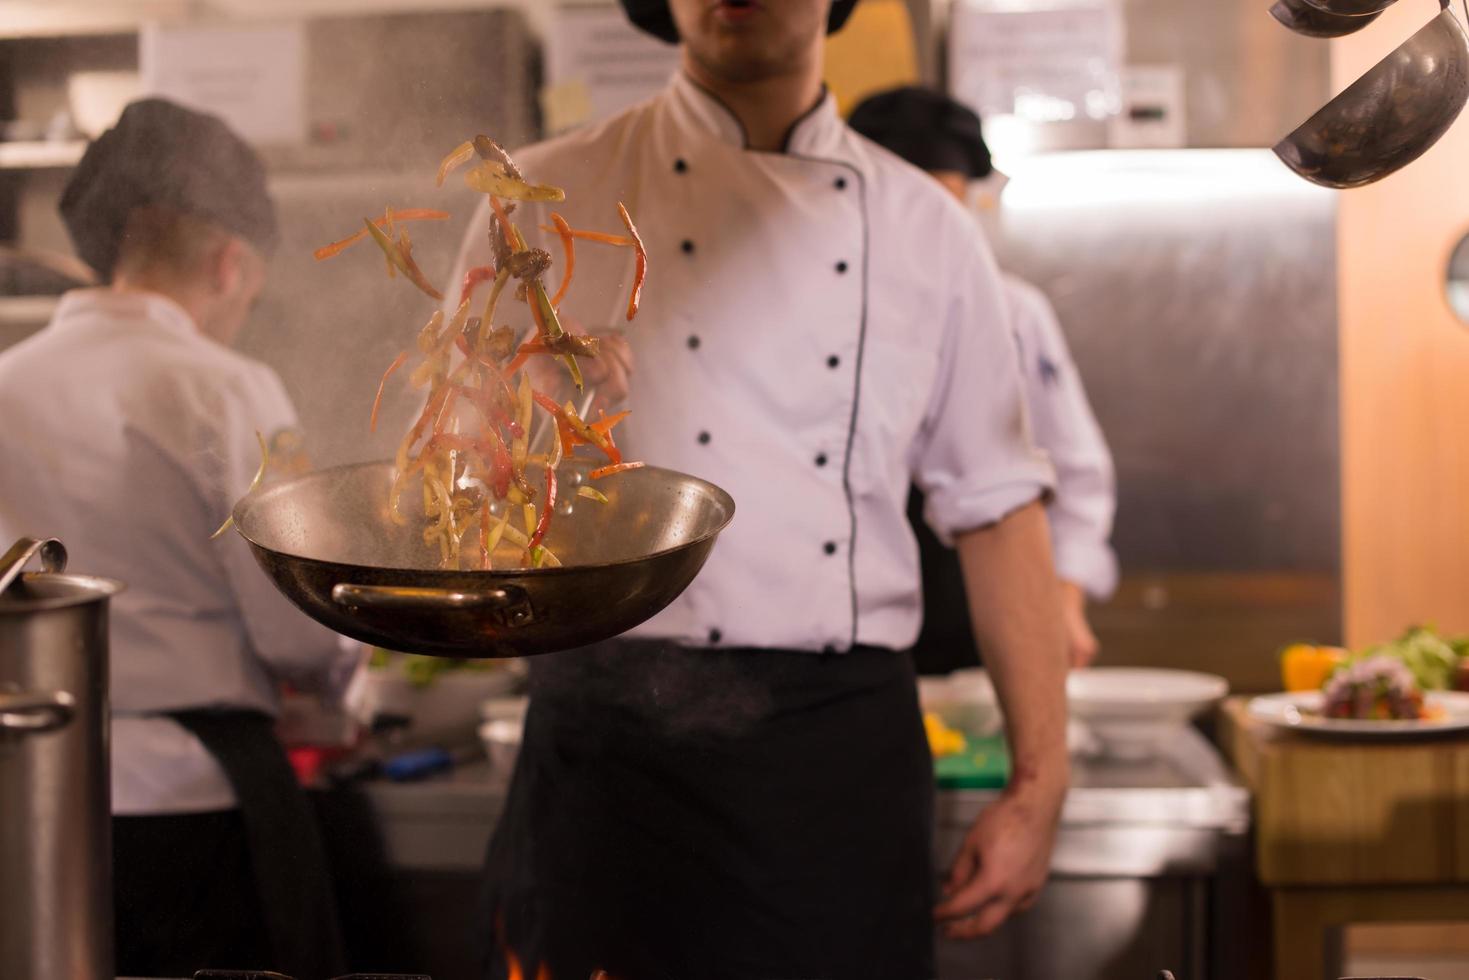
(1061, 417)
(129, 435)
(822, 338)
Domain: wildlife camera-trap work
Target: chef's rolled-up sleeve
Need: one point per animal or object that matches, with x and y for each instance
(1066, 429)
(975, 459)
(292, 646)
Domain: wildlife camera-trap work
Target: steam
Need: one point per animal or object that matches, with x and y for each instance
(684, 692)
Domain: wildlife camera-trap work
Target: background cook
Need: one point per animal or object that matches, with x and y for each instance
(130, 432)
(942, 136)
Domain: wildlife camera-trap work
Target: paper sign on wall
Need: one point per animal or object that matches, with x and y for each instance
(1039, 62)
(1152, 114)
(598, 64)
(252, 76)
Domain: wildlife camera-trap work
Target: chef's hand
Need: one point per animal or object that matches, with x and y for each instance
(1004, 861)
(610, 371)
(1081, 642)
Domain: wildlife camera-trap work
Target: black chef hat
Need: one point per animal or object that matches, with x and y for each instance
(926, 128)
(161, 154)
(654, 17)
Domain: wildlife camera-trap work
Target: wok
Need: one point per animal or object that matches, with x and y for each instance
(327, 541)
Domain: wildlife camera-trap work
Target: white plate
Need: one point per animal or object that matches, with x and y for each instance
(1133, 710)
(1300, 711)
(1141, 694)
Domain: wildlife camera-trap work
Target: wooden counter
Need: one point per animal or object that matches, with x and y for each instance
(1351, 831)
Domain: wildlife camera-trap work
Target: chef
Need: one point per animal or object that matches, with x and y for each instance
(742, 787)
(130, 429)
(932, 131)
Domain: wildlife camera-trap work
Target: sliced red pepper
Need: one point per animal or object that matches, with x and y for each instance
(602, 471)
(501, 465)
(407, 214)
(585, 433)
(447, 411)
(593, 236)
(604, 425)
(507, 230)
(641, 268)
(429, 412)
(548, 507)
(568, 246)
(475, 276)
(377, 402)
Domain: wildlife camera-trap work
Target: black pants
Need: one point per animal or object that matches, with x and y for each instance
(717, 814)
(185, 895)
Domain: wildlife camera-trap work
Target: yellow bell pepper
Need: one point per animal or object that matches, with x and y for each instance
(1305, 668)
(942, 740)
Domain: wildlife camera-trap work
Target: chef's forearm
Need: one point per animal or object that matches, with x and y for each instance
(1014, 601)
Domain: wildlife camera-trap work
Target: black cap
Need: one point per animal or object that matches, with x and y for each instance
(926, 128)
(654, 17)
(163, 155)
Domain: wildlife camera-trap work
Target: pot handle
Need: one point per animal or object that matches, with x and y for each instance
(510, 605)
(32, 714)
(53, 558)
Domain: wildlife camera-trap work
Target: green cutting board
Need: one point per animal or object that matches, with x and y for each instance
(984, 764)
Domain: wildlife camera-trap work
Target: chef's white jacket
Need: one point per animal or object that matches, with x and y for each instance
(1061, 417)
(818, 327)
(128, 434)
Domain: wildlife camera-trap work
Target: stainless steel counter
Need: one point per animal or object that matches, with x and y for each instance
(1141, 875)
(1136, 818)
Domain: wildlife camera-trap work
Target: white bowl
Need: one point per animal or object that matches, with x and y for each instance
(501, 739)
(1132, 709)
(964, 700)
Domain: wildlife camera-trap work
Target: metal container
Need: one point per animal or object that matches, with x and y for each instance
(55, 823)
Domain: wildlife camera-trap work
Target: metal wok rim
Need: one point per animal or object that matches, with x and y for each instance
(242, 506)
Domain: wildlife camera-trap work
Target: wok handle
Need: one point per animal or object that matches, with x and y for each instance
(511, 605)
(32, 714)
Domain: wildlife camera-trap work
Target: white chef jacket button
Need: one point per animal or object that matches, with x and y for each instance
(687, 246)
(704, 438)
(830, 547)
(679, 166)
(841, 267)
(821, 459)
(715, 636)
(841, 183)
(694, 341)
(833, 362)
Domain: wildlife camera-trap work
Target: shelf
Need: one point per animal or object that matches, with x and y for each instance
(64, 18)
(41, 155)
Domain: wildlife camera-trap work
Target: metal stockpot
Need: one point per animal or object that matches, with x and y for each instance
(55, 821)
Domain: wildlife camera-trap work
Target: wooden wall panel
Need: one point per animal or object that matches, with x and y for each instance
(1404, 377)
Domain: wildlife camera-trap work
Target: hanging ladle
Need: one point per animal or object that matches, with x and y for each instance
(1350, 8)
(1390, 116)
(1313, 21)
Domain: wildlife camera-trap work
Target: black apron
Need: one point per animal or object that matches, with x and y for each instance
(716, 813)
(287, 857)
